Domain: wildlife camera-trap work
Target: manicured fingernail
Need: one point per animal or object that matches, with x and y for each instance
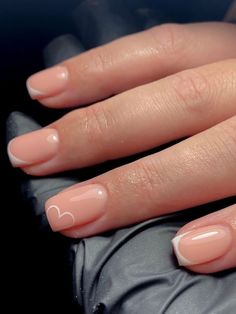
(202, 245)
(48, 83)
(76, 207)
(32, 148)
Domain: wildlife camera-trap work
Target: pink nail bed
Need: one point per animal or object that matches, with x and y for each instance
(202, 245)
(35, 147)
(48, 83)
(76, 207)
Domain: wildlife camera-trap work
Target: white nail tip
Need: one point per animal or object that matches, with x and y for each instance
(16, 162)
(181, 259)
(33, 92)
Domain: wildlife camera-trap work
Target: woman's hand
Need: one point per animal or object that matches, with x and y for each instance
(171, 82)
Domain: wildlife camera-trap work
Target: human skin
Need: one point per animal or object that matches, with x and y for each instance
(167, 83)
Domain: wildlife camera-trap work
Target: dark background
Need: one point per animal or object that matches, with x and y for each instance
(36, 278)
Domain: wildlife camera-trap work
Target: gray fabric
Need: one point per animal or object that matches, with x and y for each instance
(132, 270)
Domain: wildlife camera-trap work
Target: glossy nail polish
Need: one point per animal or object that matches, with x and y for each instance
(202, 245)
(48, 83)
(34, 147)
(76, 207)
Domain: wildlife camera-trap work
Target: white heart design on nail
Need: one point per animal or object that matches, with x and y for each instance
(67, 220)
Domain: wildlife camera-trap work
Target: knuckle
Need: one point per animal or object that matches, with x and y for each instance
(89, 128)
(95, 124)
(193, 90)
(96, 63)
(101, 59)
(91, 63)
(169, 38)
(147, 179)
(226, 136)
(99, 123)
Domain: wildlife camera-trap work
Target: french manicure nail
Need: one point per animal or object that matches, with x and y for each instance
(32, 148)
(48, 83)
(202, 245)
(76, 207)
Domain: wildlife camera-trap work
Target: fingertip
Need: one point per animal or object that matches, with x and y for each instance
(208, 245)
(48, 83)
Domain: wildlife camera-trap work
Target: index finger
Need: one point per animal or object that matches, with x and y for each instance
(132, 61)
